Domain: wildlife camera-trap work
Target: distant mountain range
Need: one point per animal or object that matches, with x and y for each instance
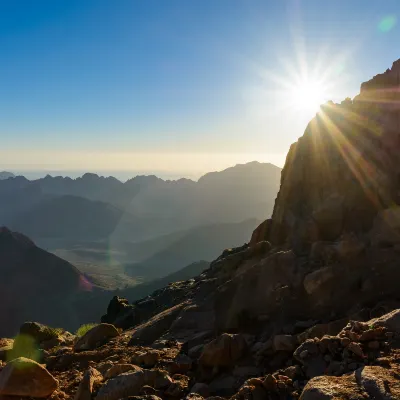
(146, 228)
(139, 209)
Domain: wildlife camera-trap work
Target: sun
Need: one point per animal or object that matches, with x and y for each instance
(307, 95)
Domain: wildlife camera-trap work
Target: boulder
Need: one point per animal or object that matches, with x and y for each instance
(157, 378)
(155, 327)
(284, 343)
(223, 351)
(119, 313)
(123, 385)
(85, 389)
(146, 358)
(37, 331)
(369, 382)
(316, 279)
(119, 369)
(96, 337)
(25, 377)
(390, 321)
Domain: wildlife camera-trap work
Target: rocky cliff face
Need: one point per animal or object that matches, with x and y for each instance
(344, 170)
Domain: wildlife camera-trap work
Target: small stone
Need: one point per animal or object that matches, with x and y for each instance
(119, 369)
(281, 385)
(356, 349)
(270, 383)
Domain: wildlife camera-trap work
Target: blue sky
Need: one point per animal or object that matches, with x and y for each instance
(175, 85)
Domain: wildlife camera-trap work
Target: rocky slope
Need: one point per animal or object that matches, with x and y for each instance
(36, 284)
(309, 309)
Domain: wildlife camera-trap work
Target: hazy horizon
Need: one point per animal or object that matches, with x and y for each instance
(179, 87)
(123, 175)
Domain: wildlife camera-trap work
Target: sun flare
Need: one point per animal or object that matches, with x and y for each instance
(307, 95)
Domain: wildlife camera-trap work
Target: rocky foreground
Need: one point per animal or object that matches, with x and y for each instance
(361, 362)
(308, 309)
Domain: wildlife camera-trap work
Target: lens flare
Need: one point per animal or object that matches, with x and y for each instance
(387, 24)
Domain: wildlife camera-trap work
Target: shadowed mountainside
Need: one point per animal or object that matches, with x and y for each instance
(202, 243)
(36, 285)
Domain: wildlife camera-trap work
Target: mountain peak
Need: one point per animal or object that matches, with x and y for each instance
(6, 175)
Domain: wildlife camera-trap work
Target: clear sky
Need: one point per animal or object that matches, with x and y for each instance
(177, 86)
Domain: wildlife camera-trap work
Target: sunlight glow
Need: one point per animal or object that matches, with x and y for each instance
(307, 95)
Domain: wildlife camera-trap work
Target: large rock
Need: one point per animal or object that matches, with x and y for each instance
(124, 385)
(151, 330)
(25, 377)
(119, 313)
(223, 351)
(390, 321)
(370, 382)
(37, 331)
(96, 337)
(119, 369)
(316, 279)
(85, 389)
(130, 383)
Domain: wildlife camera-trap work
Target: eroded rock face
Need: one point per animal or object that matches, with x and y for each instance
(344, 169)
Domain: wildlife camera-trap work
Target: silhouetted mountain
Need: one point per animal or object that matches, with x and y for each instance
(6, 175)
(143, 207)
(237, 193)
(35, 285)
(202, 243)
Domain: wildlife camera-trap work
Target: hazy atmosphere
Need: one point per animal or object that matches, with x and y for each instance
(177, 87)
(199, 200)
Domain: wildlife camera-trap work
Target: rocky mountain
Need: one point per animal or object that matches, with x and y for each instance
(36, 285)
(6, 175)
(309, 309)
